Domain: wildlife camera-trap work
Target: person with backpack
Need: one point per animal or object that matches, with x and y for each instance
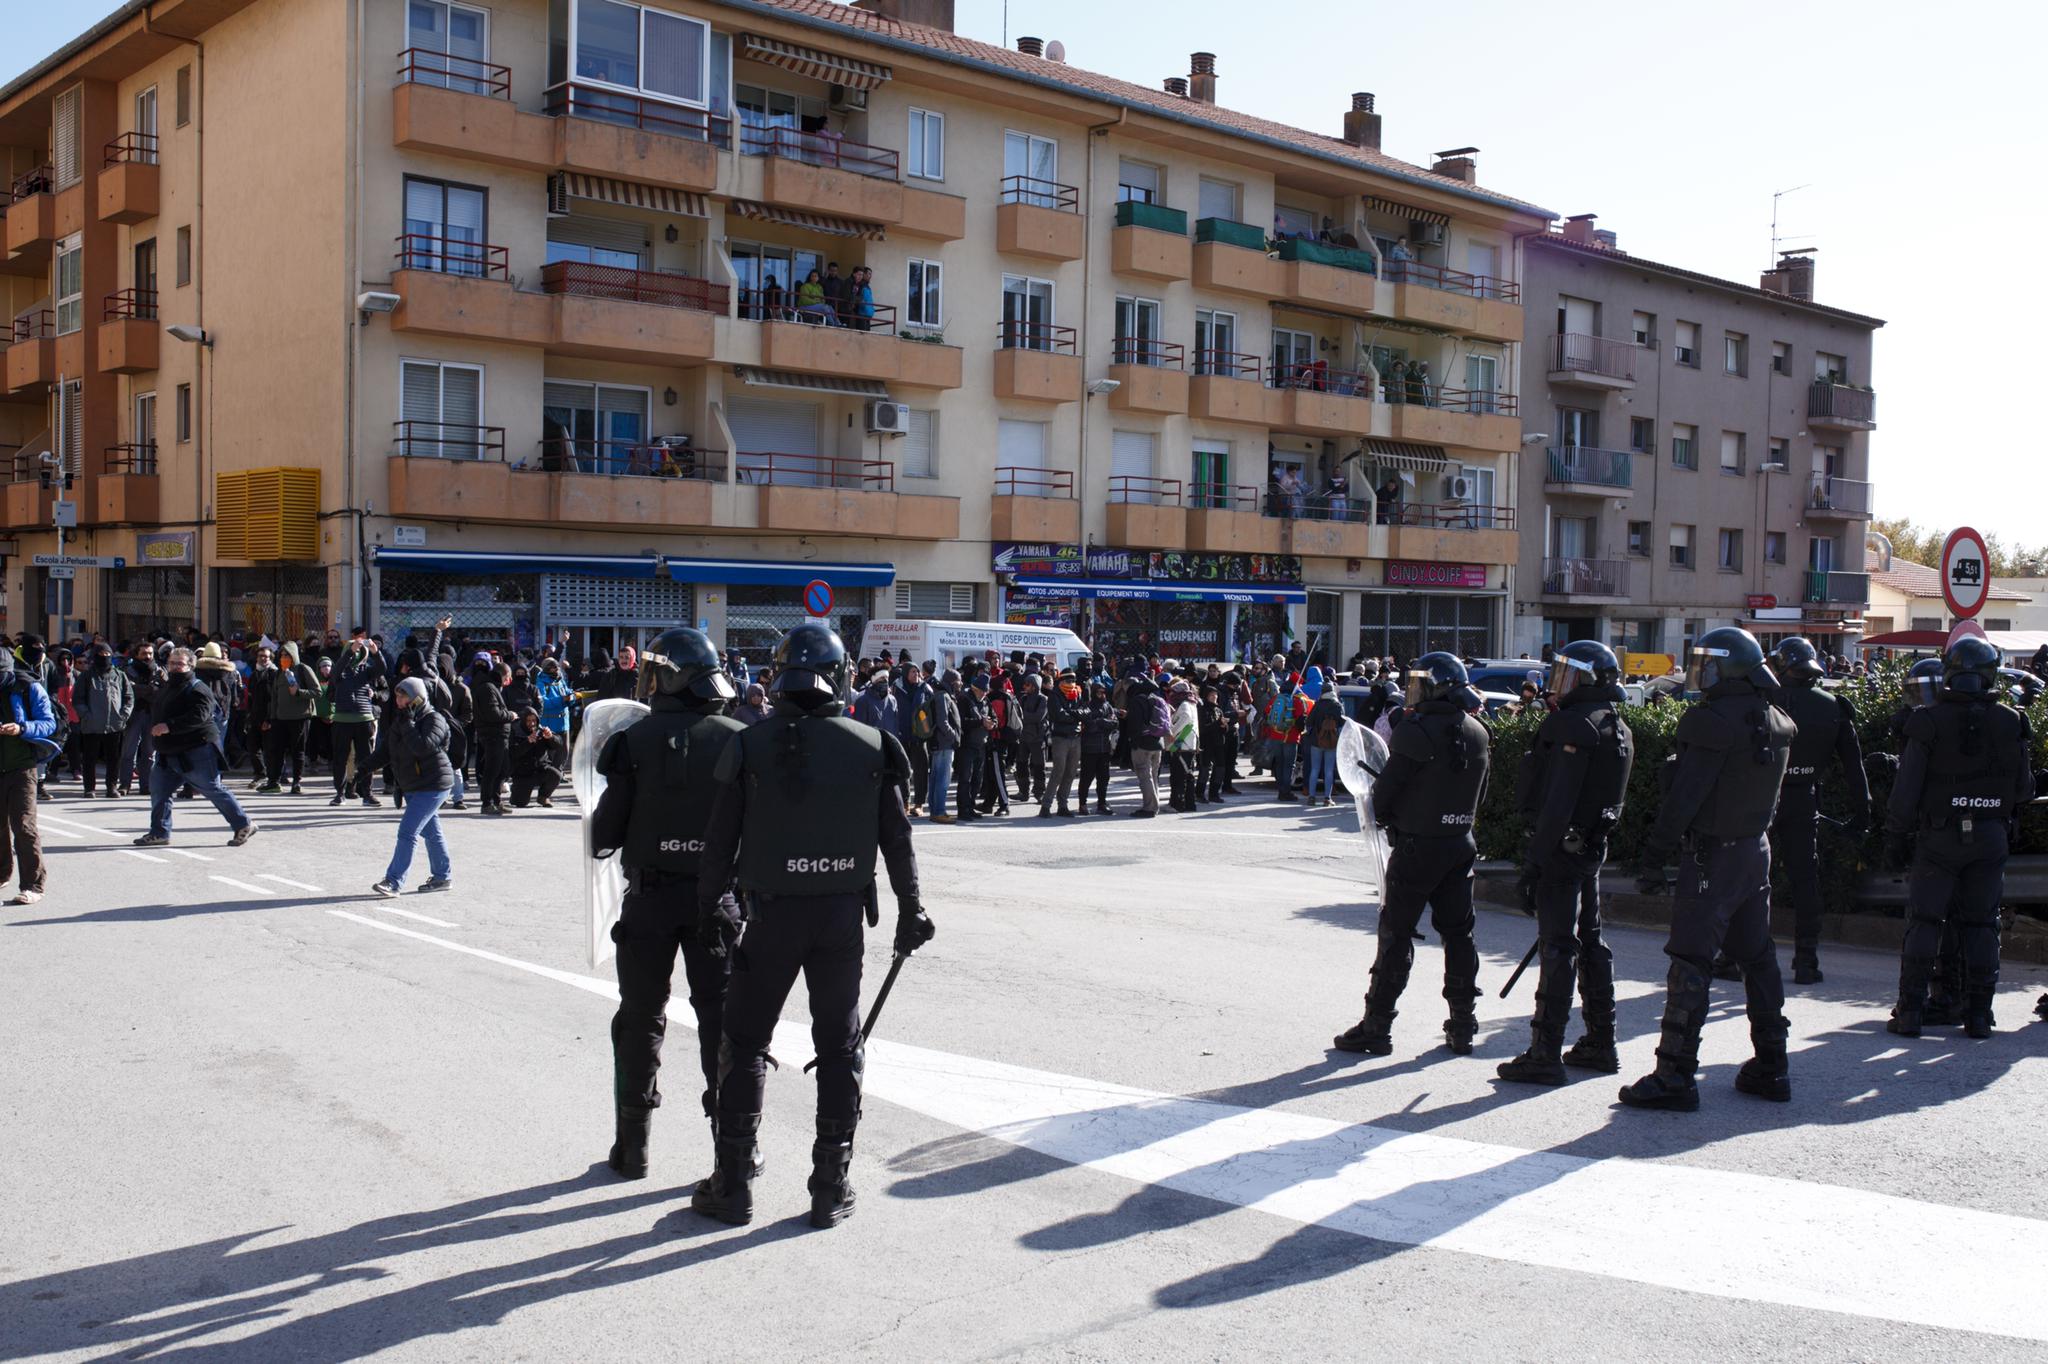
(1150, 721)
(915, 701)
(1183, 743)
(1005, 727)
(943, 720)
(1284, 716)
(104, 699)
(1325, 727)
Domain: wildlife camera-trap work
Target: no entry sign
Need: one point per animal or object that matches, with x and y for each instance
(817, 597)
(1965, 572)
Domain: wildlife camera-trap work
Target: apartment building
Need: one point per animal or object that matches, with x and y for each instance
(1697, 454)
(504, 321)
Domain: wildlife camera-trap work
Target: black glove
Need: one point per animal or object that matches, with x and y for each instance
(718, 924)
(914, 927)
(1898, 851)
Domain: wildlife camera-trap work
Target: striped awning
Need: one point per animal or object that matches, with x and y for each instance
(811, 222)
(1401, 454)
(660, 198)
(809, 383)
(1408, 211)
(818, 65)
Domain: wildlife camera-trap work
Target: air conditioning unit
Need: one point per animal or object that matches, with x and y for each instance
(1457, 487)
(888, 419)
(846, 100)
(558, 196)
(1426, 234)
(677, 442)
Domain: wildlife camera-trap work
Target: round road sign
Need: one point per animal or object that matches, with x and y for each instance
(1965, 572)
(817, 597)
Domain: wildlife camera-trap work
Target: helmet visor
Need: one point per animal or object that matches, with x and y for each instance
(1567, 672)
(1703, 669)
(1418, 688)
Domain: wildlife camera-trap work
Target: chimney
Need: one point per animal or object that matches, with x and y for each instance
(1792, 276)
(936, 14)
(1606, 240)
(1579, 228)
(1031, 47)
(1177, 85)
(1458, 163)
(1361, 124)
(1202, 81)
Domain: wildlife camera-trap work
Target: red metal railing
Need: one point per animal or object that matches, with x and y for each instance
(1452, 281)
(138, 148)
(132, 457)
(41, 180)
(423, 66)
(1143, 488)
(1238, 497)
(633, 286)
(631, 459)
(451, 256)
(1487, 401)
(1029, 189)
(820, 149)
(571, 100)
(1317, 377)
(817, 471)
(37, 325)
(447, 440)
(128, 304)
(1228, 364)
(1575, 352)
(1018, 481)
(1035, 336)
(1131, 350)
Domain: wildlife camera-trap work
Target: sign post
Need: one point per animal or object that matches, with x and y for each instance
(818, 600)
(1965, 581)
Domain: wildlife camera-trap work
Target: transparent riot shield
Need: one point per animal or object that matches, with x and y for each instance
(1362, 755)
(604, 879)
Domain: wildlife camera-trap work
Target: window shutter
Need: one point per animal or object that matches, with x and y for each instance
(462, 398)
(1020, 445)
(74, 443)
(64, 133)
(919, 455)
(963, 599)
(606, 234)
(1130, 456)
(419, 398)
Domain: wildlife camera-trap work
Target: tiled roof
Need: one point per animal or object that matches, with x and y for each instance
(1553, 239)
(945, 45)
(1918, 580)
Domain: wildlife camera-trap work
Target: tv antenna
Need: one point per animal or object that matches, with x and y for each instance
(1777, 240)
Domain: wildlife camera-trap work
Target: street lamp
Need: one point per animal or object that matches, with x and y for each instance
(185, 331)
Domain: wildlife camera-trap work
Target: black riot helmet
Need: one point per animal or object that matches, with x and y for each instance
(1969, 668)
(1434, 677)
(1799, 663)
(1923, 682)
(810, 670)
(1729, 654)
(683, 662)
(1583, 662)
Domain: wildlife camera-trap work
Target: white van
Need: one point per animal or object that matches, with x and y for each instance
(953, 642)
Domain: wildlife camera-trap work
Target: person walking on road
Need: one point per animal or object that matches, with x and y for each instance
(25, 743)
(419, 764)
(186, 725)
(104, 698)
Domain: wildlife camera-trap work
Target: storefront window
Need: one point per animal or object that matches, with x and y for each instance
(756, 619)
(1409, 626)
(151, 601)
(490, 610)
(281, 603)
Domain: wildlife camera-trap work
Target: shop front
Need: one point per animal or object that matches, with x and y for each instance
(1424, 607)
(1198, 607)
(157, 593)
(281, 602)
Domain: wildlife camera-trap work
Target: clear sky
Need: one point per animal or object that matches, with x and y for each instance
(1915, 129)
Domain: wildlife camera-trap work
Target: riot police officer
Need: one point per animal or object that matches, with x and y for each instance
(1964, 777)
(1945, 987)
(1572, 785)
(1733, 749)
(806, 799)
(1426, 798)
(1827, 732)
(656, 802)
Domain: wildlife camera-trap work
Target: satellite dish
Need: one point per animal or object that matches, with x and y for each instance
(1055, 51)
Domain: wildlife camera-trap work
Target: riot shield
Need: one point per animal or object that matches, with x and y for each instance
(1361, 754)
(604, 879)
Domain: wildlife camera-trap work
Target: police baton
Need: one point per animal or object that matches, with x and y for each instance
(881, 998)
(1527, 957)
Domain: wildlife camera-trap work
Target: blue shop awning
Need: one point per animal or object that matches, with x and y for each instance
(1118, 589)
(779, 572)
(641, 566)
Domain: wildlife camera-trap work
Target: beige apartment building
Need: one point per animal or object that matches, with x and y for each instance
(341, 310)
(1697, 453)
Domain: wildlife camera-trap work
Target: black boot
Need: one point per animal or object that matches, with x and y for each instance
(756, 1166)
(1767, 1075)
(1539, 1065)
(629, 1148)
(728, 1196)
(2041, 1008)
(1806, 969)
(1907, 1016)
(1460, 1029)
(1977, 1020)
(831, 1184)
(1595, 1051)
(1371, 1035)
(1670, 1085)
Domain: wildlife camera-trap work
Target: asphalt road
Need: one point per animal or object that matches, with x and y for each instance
(247, 1111)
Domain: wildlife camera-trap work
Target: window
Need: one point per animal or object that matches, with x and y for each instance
(1210, 486)
(1031, 170)
(144, 433)
(1137, 332)
(1289, 221)
(1293, 351)
(1221, 199)
(1774, 547)
(934, 601)
(1138, 182)
(145, 126)
(1646, 329)
(1481, 383)
(64, 137)
(1735, 353)
(1131, 458)
(182, 95)
(1827, 460)
(1642, 434)
(440, 408)
(1028, 313)
(768, 275)
(69, 289)
(184, 263)
(1639, 539)
(450, 44)
(444, 227)
(919, 452)
(1687, 350)
(646, 50)
(1483, 259)
(1928, 623)
(1684, 446)
(1681, 546)
(1020, 452)
(927, 148)
(1997, 623)
(924, 294)
(1215, 342)
(603, 429)
(1734, 452)
(1731, 551)
(182, 413)
(145, 278)
(1780, 450)
(1830, 369)
(1781, 358)
(1578, 426)
(71, 425)
(1478, 513)
(1577, 316)
(777, 110)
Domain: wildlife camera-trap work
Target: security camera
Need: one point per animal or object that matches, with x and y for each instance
(375, 301)
(1101, 386)
(185, 331)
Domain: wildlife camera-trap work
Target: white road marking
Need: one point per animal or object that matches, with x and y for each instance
(44, 817)
(1754, 1238)
(287, 881)
(418, 918)
(242, 885)
(132, 852)
(196, 857)
(45, 827)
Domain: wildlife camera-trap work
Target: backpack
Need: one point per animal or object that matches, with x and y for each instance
(922, 726)
(1013, 718)
(1328, 730)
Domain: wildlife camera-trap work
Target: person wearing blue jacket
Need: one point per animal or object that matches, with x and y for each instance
(25, 744)
(556, 696)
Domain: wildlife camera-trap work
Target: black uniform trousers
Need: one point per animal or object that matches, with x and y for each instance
(1031, 769)
(1724, 904)
(96, 751)
(1095, 772)
(1436, 873)
(659, 919)
(1570, 949)
(1793, 835)
(821, 937)
(1957, 877)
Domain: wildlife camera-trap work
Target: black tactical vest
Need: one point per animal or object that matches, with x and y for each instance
(1975, 752)
(1757, 738)
(1820, 717)
(673, 754)
(1443, 796)
(1607, 766)
(812, 787)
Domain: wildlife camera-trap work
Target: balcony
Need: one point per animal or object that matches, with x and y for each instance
(1145, 513)
(32, 221)
(1592, 362)
(30, 502)
(1150, 242)
(1454, 301)
(1151, 377)
(1841, 407)
(1475, 419)
(130, 182)
(874, 352)
(1334, 278)
(1468, 532)
(1034, 506)
(1586, 580)
(448, 471)
(1230, 257)
(1223, 518)
(1226, 388)
(126, 493)
(1315, 400)
(1040, 218)
(32, 358)
(825, 173)
(1837, 589)
(129, 333)
(1583, 470)
(1837, 499)
(821, 495)
(1036, 362)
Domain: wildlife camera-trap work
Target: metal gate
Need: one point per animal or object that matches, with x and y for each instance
(607, 613)
(282, 603)
(490, 610)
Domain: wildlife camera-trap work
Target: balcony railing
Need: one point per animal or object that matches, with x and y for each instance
(1020, 481)
(1035, 336)
(570, 100)
(41, 180)
(1317, 377)
(1146, 489)
(128, 305)
(1585, 577)
(1327, 505)
(1840, 402)
(820, 149)
(1452, 281)
(1132, 350)
(1576, 353)
(447, 440)
(1234, 497)
(136, 148)
(1228, 364)
(1029, 189)
(630, 459)
(1846, 495)
(423, 66)
(132, 457)
(450, 256)
(1351, 258)
(622, 285)
(38, 325)
(817, 471)
(1588, 464)
(1486, 401)
(1449, 516)
(1838, 589)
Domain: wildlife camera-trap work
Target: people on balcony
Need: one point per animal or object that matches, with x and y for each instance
(1388, 495)
(835, 289)
(811, 305)
(1399, 257)
(774, 304)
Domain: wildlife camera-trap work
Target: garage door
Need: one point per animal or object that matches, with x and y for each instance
(768, 426)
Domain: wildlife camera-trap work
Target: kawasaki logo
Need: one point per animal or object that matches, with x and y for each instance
(816, 866)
